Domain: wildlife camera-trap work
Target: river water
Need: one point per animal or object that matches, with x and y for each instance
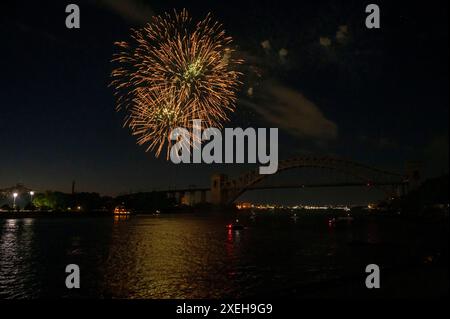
(195, 256)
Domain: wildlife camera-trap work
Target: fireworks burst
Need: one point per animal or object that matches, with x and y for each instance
(172, 72)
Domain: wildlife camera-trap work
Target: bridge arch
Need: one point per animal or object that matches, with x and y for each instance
(230, 190)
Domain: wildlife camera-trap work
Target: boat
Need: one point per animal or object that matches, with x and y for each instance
(121, 210)
(235, 226)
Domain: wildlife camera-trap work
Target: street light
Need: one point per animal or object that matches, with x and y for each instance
(31, 197)
(14, 202)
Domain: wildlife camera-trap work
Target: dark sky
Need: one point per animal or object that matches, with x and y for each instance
(375, 96)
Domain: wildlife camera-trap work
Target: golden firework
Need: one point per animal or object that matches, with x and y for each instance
(172, 72)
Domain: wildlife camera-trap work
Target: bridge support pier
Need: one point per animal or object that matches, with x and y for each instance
(218, 189)
(203, 197)
(191, 198)
(170, 195)
(180, 197)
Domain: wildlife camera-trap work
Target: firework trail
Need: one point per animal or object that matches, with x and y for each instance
(172, 72)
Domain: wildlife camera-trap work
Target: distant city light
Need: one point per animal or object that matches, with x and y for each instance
(31, 196)
(243, 206)
(14, 201)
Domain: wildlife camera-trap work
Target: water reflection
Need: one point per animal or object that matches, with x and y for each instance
(120, 218)
(163, 258)
(17, 258)
(182, 256)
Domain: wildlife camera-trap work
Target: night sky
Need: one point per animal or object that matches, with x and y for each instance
(379, 97)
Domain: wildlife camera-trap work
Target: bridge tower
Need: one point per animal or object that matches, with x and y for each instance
(413, 170)
(219, 194)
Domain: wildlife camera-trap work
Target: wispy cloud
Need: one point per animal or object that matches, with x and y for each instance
(134, 11)
(291, 111)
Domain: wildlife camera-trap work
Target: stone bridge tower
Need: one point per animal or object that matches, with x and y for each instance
(219, 193)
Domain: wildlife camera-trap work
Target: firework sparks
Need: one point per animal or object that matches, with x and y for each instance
(172, 72)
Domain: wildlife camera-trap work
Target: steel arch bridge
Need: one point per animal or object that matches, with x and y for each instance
(227, 191)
